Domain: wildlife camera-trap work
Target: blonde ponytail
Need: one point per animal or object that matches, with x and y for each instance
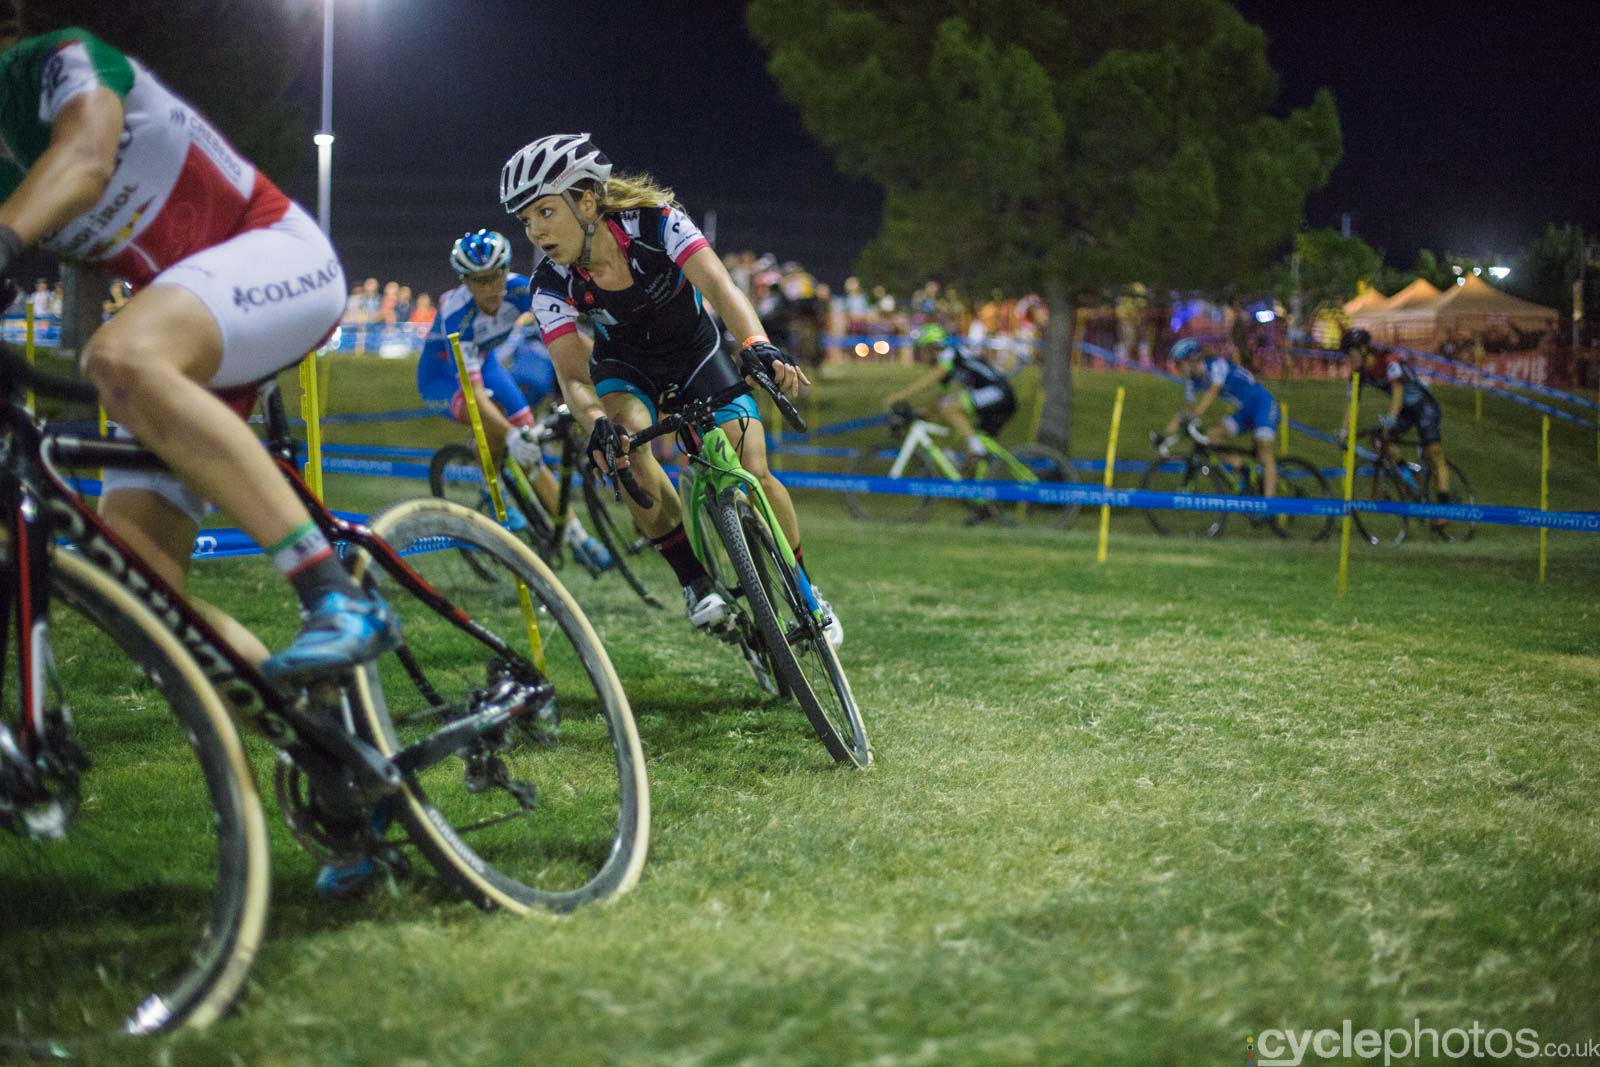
(624, 192)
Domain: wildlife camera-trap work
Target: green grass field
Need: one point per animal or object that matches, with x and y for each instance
(1121, 813)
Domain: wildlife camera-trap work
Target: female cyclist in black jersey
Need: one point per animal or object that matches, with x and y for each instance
(621, 253)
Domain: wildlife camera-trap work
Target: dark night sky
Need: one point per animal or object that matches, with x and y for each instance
(1466, 125)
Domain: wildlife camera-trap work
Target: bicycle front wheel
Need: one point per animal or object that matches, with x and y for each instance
(1191, 476)
(794, 639)
(145, 913)
(455, 473)
(550, 812)
(1301, 480)
(631, 552)
(1381, 486)
(888, 507)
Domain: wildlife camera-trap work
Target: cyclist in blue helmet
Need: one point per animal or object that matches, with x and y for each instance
(977, 395)
(506, 363)
(1207, 376)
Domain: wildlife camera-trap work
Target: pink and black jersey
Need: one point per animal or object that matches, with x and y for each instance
(659, 318)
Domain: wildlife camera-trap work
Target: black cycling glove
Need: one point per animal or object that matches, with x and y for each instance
(605, 442)
(764, 353)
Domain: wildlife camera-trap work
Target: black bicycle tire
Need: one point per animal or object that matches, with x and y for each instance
(429, 829)
(867, 463)
(1383, 475)
(1460, 493)
(1157, 517)
(752, 647)
(1314, 475)
(227, 946)
(604, 528)
(1060, 517)
(731, 514)
(539, 533)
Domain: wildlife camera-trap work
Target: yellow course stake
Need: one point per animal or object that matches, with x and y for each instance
(1477, 382)
(1349, 483)
(28, 315)
(1544, 490)
(1283, 431)
(486, 461)
(1111, 470)
(311, 412)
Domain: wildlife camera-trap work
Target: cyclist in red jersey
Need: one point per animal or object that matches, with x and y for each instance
(101, 163)
(1410, 404)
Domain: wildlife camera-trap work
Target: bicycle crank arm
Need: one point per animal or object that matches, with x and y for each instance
(510, 701)
(375, 776)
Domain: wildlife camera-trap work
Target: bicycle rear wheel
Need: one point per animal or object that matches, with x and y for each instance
(146, 913)
(888, 507)
(1190, 477)
(794, 639)
(1299, 479)
(1381, 486)
(549, 812)
(1047, 465)
(1460, 493)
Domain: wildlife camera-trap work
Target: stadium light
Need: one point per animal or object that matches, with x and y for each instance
(1265, 315)
(324, 136)
(1499, 272)
(881, 347)
(861, 350)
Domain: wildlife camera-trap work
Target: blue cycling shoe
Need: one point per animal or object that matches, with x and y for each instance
(355, 874)
(339, 633)
(516, 521)
(590, 553)
(344, 879)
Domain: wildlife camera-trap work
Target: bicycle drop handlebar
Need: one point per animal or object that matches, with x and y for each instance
(695, 412)
(17, 375)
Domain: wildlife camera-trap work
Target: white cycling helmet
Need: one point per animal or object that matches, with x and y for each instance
(549, 165)
(475, 253)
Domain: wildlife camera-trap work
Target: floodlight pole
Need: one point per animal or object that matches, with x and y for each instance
(324, 137)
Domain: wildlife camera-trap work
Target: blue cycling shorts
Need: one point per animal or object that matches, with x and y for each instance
(1259, 419)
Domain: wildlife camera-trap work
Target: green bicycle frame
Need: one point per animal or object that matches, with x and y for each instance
(995, 451)
(718, 468)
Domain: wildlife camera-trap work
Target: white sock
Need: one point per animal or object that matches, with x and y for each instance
(575, 533)
(975, 446)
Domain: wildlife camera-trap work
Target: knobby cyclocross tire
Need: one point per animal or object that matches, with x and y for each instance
(149, 854)
(889, 507)
(711, 552)
(1190, 476)
(585, 834)
(450, 474)
(1300, 479)
(798, 650)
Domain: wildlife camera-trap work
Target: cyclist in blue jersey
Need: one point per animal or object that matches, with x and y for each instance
(488, 310)
(1210, 376)
(979, 396)
(621, 253)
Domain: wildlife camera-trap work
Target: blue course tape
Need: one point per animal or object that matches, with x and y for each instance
(1094, 496)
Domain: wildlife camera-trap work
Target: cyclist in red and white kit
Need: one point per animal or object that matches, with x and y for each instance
(101, 163)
